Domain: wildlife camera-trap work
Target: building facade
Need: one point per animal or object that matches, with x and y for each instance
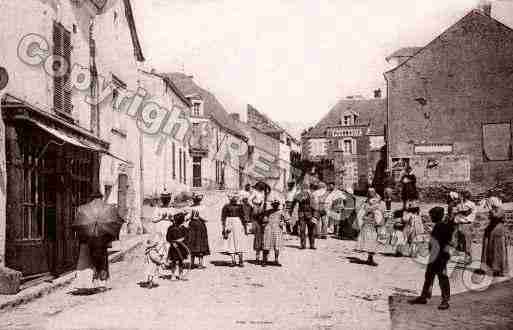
(289, 148)
(55, 132)
(342, 146)
(449, 106)
(167, 164)
(216, 144)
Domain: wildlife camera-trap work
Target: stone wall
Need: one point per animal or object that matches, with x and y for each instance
(450, 89)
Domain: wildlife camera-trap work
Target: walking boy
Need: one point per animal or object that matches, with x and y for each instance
(438, 259)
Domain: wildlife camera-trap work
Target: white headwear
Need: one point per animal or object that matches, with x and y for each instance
(453, 195)
(495, 202)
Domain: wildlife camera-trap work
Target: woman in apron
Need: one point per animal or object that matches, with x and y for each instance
(232, 217)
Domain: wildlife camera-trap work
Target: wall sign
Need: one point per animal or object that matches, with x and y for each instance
(433, 148)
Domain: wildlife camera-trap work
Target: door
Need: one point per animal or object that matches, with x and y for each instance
(196, 172)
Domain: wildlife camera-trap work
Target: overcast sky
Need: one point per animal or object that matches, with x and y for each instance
(291, 59)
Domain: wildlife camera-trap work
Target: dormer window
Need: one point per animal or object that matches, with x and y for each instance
(347, 120)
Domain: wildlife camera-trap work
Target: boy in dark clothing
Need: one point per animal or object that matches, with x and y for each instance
(438, 259)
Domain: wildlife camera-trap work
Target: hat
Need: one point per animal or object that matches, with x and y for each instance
(495, 202)
(453, 195)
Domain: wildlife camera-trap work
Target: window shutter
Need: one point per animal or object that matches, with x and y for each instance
(62, 85)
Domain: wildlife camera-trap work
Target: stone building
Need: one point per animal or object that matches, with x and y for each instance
(261, 162)
(289, 147)
(166, 159)
(58, 141)
(449, 108)
(217, 143)
(344, 143)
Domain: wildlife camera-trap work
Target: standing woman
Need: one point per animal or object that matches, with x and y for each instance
(409, 187)
(370, 219)
(259, 204)
(495, 245)
(232, 217)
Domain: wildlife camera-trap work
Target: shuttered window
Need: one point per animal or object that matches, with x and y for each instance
(62, 84)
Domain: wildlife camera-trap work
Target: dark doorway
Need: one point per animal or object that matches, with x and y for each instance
(196, 172)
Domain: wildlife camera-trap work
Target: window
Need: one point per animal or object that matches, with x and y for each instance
(62, 83)
(180, 165)
(497, 142)
(196, 111)
(348, 146)
(347, 120)
(173, 156)
(184, 167)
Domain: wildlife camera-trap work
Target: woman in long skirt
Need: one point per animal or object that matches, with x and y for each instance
(370, 218)
(495, 247)
(232, 217)
(273, 233)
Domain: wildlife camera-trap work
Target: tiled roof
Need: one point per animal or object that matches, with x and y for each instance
(212, 107)
(404, 52)
(370, 112)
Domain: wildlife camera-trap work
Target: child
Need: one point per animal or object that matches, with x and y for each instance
(153, 259)
(438, 259)
(197, 239)
(273, 232)
(413, 226)
(178, 251)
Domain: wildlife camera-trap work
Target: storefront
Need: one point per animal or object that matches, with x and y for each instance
(52, 166)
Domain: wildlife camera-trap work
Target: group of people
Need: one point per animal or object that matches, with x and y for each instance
(179, 235)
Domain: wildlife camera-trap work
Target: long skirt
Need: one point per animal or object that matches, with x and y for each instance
(414, 229)
(495, 249)
(237, 240)
(368, 238)
(272, 239)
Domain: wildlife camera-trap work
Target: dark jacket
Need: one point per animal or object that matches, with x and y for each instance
(304, 202)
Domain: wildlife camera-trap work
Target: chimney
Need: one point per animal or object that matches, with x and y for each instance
(235, 116)
(485, 7)
(377, 93)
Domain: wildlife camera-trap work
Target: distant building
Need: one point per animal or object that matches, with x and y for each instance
(450, 106)
(217, 141)
(345, 144)
(289, 147)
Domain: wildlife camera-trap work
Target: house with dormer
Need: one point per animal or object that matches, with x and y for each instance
(344, 143)
(216, 144)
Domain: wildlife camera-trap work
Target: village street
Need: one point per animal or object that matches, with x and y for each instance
(315, 289)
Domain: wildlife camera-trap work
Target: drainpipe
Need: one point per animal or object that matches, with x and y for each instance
(387, 128)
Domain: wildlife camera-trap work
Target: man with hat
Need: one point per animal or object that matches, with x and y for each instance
(303, 199)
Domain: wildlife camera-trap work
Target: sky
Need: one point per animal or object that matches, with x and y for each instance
(291, 59)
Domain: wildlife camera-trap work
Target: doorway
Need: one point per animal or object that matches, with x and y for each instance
(196, 172)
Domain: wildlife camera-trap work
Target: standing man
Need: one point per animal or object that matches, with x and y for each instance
(464, 216)
(303, 199)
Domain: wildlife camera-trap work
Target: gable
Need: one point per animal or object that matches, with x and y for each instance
(469, 34)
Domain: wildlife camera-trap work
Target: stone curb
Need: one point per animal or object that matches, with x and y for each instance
(44, 289)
